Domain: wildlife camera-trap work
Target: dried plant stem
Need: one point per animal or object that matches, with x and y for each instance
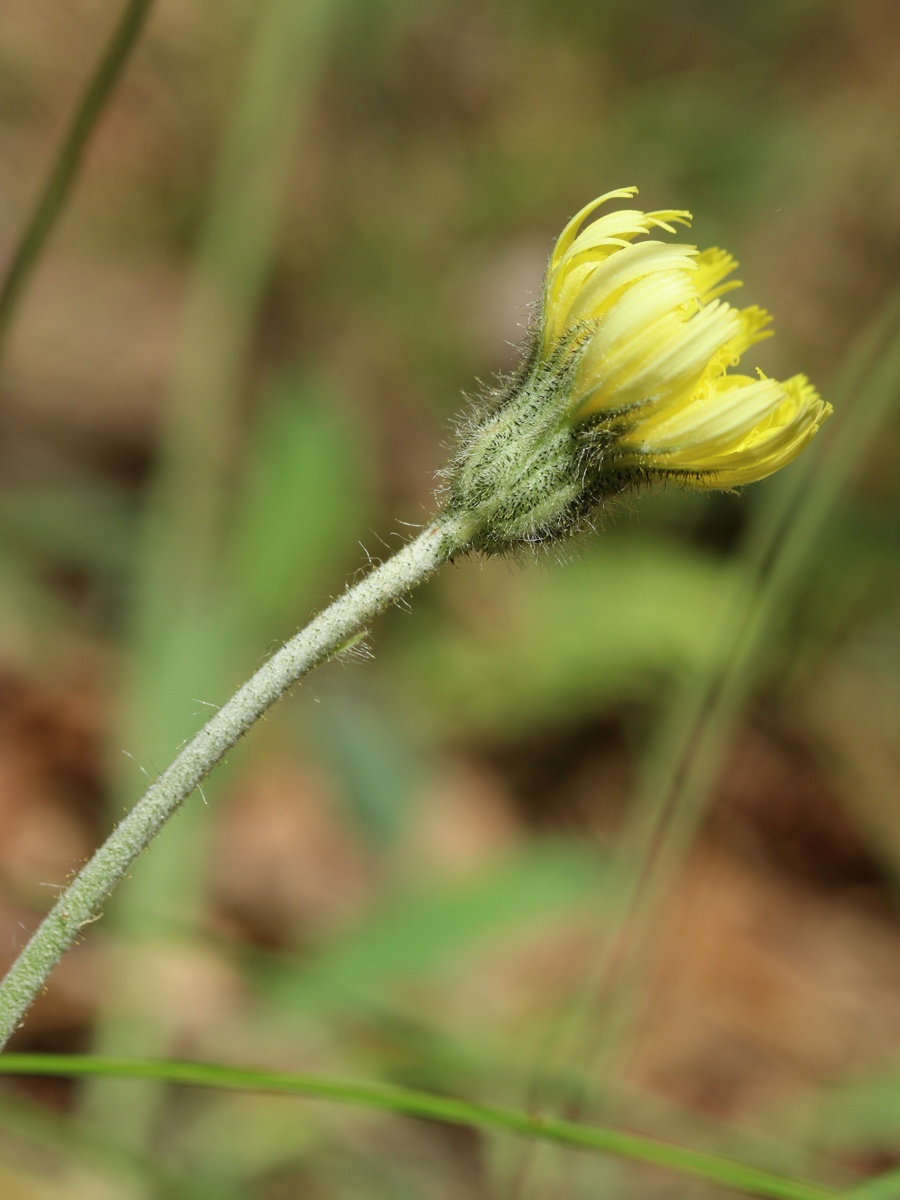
(326, 635)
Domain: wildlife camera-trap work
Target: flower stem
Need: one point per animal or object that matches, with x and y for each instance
(326, 635)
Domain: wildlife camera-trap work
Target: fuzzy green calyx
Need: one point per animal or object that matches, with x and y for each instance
(525, 473)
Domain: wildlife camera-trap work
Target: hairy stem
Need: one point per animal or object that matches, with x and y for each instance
(328, 633)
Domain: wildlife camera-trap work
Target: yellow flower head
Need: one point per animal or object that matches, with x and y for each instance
(629, 376)
(655, 343)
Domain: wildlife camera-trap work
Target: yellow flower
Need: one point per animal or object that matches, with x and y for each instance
(629, 376)
(654, 344)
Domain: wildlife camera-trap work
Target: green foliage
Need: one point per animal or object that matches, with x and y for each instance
(301, 507)
(623, 620)
(421, 933)
(376, 225)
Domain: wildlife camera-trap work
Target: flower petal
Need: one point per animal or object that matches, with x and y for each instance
(656, 344)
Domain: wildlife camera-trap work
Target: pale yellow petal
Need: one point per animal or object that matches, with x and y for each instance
(621, 269)
(717, 424)
(656, 345)
(565, 239)
(714, 265)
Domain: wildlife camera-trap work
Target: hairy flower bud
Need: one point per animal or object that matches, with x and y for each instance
(626, 378)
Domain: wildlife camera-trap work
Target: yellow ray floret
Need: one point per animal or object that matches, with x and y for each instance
(655, 343)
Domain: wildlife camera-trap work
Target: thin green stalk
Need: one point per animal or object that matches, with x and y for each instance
(488, 1118)
(68, 161)
(325, 636)
(786, 539)
(693, 742)
(179, 596)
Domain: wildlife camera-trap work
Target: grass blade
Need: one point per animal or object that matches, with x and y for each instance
(486, 1118)
(68, 160)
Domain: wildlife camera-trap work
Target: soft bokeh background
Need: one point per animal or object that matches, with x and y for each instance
(303, 230)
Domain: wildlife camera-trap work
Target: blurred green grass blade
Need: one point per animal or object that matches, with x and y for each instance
(486, 1118)
(694, 739)
(86, 526)
(626, 619)
(852, 1117)
(373, 763)
(484, 1062)
(784, 538)
(299, 509)
(423, 932)
(255, 1137)
(61, 1134)
(681, 770)
(232, 270)
(779, 553)
(68, 160)
(31, 612)
(185, 637)
(882, 1187)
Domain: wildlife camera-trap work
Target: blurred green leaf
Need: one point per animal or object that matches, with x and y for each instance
(371, 759)
(881, 1187)
(424, 932)
(299, 515)
(549, 645)
(29, 608)
(86, 526)
(863, 1115)
(65, 1138)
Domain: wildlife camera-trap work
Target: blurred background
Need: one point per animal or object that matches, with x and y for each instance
(613, 832)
